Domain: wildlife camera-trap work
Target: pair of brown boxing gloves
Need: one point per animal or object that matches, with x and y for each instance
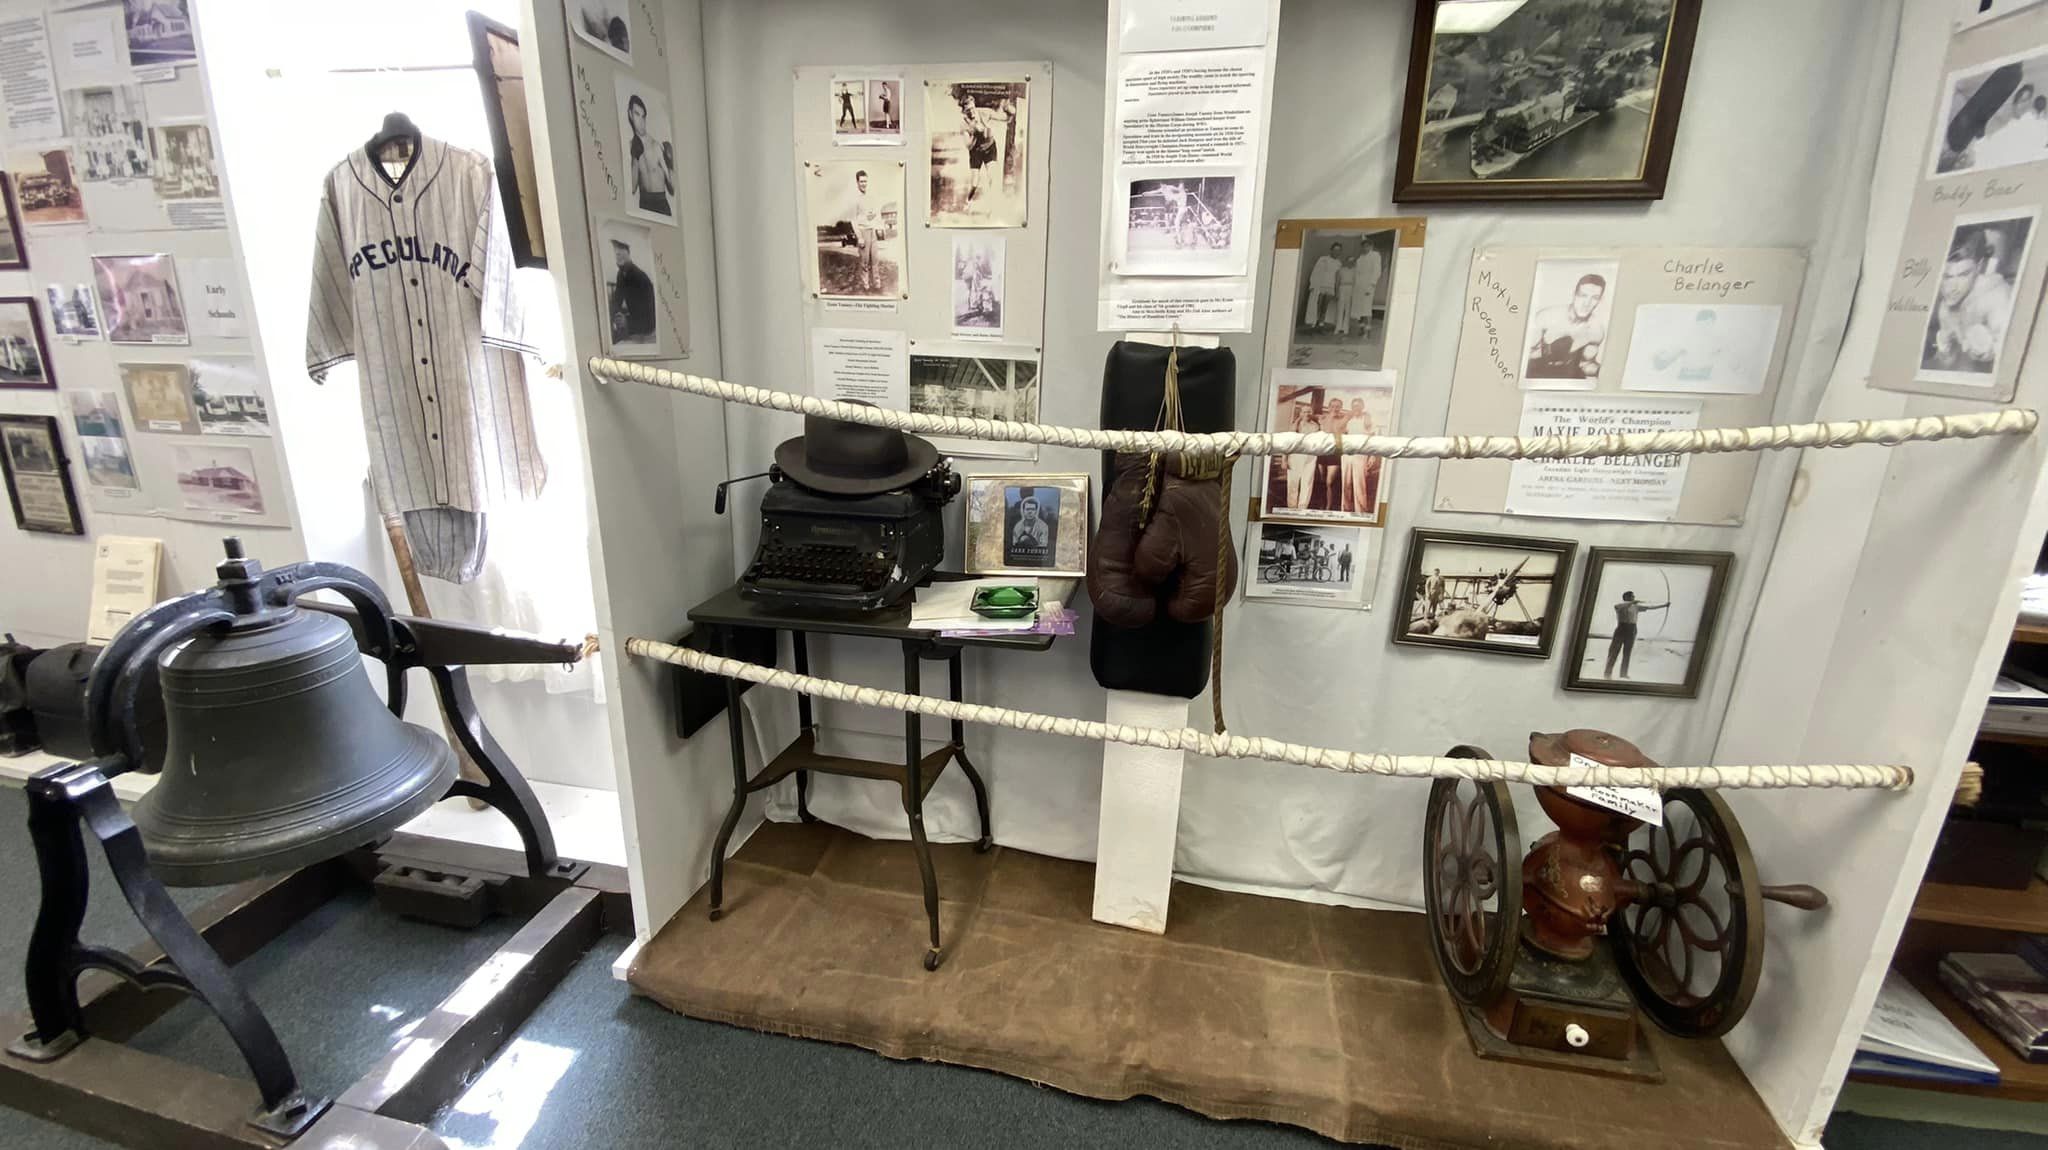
(1165, 556)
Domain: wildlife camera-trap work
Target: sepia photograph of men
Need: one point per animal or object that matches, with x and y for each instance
(1513, 100)
(1646, 620)
(1335, 487)
(648, 142)
(107, 134)
(628, 255)
(856, 214)
(1571, 308)
(1973, 299)
(184, 162)
(1993, 115)
(604, 25)
(978, 148)
(1340, 298)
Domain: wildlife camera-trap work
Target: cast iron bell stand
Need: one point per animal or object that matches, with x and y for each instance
(64, 796)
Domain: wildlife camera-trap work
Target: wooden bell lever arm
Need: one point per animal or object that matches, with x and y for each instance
(1797, 895)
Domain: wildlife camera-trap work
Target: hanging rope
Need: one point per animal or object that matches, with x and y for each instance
(1216, 445)
(1273, 750)
(1224, 587)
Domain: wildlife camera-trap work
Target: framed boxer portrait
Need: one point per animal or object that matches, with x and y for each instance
(1027, 525)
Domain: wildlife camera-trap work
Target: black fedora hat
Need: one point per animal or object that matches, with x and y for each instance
(841, 458)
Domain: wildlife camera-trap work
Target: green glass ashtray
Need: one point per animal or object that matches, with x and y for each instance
(1005, 602)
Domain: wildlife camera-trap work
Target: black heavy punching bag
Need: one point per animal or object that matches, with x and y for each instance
(1165, 656)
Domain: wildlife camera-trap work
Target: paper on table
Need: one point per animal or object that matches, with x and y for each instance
(124, 579)
(857, 363)
(942, 606)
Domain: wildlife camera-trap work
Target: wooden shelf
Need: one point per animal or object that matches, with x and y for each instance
(2025, 911)
(2021, 1081)
(2030, 633)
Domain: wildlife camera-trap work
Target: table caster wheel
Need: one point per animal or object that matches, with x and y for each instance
(986, 845)
(931, 960)
(717, 913)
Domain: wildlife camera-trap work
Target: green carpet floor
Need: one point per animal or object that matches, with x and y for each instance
(597, 1069)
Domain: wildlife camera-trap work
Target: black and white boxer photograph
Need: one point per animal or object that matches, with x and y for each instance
(1571, 310)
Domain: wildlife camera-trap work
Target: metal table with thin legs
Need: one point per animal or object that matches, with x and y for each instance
(729, 612)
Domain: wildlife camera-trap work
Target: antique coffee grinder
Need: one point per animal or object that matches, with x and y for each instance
(1677, 905)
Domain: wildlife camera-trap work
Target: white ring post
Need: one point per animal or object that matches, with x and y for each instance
(1140, 817)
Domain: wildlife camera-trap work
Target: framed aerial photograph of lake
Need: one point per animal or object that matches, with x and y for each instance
(1543, 100)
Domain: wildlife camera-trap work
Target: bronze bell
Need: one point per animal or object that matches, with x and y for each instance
(278, 754)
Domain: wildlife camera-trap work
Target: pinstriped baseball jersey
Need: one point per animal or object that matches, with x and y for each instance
(412, 279)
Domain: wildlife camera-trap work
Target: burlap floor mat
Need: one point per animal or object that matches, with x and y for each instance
(1323, 1017)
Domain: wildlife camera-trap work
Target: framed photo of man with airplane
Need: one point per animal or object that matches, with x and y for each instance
(1543, 100)
(1501, 594)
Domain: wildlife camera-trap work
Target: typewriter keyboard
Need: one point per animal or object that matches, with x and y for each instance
(820, 564)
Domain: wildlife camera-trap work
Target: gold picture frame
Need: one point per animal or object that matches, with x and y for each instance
(1009, 530)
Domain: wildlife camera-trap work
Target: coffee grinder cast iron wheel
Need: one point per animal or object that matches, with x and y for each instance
(1686, 947)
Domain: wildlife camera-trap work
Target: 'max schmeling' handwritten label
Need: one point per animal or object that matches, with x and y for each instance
(1492, 296)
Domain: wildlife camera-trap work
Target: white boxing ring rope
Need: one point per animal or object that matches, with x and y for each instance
(2008, 421)
(1842, 433)
(1273, 750)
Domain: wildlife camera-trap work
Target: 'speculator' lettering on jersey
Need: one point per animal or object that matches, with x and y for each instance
(408, 250)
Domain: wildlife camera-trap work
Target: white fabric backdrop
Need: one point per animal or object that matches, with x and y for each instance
(1773, 150)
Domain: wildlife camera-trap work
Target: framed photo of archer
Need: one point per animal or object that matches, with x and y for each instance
(1544, 100)
(1646, 621)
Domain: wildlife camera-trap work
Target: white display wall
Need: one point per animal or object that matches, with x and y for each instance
(1303, 673)
(1872, 588)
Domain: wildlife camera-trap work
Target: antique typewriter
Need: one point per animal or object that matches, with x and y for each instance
(847, 552)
